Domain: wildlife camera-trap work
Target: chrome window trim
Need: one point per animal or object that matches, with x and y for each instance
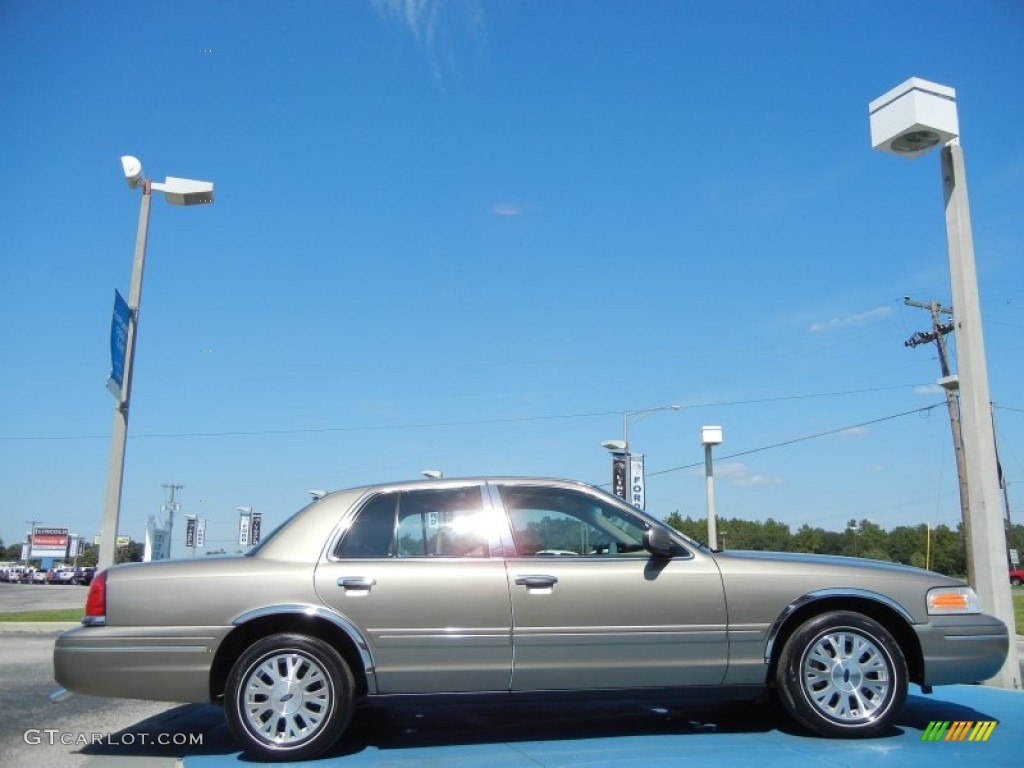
(822, 594)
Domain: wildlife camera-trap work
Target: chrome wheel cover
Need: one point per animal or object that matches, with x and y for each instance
(846, 676)
(286, 698)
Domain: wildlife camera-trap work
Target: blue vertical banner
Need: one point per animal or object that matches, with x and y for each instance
(118, 344)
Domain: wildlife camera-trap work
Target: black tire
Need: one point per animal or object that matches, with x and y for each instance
(288, 697)
(1015, 581)
(842, 674)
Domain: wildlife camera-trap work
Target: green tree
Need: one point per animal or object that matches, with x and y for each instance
(695, 529)
(908, 544)
(949, 555)
(808, 539)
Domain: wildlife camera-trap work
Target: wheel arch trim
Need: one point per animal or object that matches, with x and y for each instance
(317, 612)
(828, 594)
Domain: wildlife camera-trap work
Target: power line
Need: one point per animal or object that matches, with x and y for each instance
(439, 424)
(784, 443)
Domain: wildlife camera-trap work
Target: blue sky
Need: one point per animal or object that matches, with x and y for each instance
(468, 235)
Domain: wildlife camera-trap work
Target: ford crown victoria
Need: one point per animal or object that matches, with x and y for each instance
(510, 586)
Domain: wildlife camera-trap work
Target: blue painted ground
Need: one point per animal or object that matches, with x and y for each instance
(626, 734)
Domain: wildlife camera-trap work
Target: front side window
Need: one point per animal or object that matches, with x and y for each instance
(423, 523)
(554, 522)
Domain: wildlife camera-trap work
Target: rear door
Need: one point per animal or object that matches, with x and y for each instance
(418, 573)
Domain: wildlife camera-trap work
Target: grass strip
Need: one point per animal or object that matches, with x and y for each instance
(51, 614)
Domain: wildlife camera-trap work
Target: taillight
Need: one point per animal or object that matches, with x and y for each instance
(96, 602)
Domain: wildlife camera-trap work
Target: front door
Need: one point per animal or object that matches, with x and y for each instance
(593, 609)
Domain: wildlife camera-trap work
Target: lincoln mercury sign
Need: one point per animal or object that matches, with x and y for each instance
(49, 542)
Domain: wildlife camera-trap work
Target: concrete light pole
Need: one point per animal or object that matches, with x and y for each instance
(176, 192)
(710, 436)
(910, 120)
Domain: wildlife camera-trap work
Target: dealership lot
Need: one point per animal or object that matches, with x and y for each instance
(625, 733)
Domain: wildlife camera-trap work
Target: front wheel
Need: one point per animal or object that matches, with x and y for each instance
(288, 697)
(1015, 581)
(842, 674)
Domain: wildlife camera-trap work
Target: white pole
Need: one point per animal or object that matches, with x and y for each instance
(987, 551)
(709, 479)
(115, 471)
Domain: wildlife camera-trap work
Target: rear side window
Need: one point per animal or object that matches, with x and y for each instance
(424, 523)
(373, 532)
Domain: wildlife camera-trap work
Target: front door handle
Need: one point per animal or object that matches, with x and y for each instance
(536, 581)
(356, 582)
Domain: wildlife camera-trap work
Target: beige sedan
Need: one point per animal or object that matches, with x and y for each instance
(511, 586)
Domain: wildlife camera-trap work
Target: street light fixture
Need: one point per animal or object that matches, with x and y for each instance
(637, 415)
(176, 192)
(909, 120)
(709, 437)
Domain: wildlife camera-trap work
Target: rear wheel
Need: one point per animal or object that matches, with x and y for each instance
(1015, 581)
(842, 674)
(288, 697)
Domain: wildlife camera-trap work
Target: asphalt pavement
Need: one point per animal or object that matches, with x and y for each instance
(87, 732)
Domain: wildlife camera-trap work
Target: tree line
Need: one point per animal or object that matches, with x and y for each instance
(942, 549)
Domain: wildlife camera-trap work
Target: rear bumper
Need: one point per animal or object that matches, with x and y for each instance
(962, 649)
(160, 664)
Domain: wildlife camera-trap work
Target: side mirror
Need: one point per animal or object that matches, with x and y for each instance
(659, 542)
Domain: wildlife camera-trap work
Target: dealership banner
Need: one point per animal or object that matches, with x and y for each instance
(190, 532)
(49, 542)
(158, 542)
(636, 481)
(254, 527)
(243, 530)
(619, 475)
(118, 344)
(200, 533)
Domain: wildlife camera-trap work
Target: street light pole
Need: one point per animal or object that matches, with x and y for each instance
(987, 540)
(910, 120)
(176, 192)
(710, 436)
(119, 433)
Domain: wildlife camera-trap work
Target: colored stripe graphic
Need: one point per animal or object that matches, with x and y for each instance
(982, 730)
(959, 730)
(935, 730)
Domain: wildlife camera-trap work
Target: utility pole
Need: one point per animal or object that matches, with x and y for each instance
(949, 384)
(170, 507)
(28, 538)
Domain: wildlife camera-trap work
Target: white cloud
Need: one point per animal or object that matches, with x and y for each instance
(855, 432)
(850, 321)
(433, 23)
(928, 389)
(737, 474)
(506, 209)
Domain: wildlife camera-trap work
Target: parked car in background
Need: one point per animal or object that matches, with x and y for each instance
(63, 576)
(1017, 577)
(513, 586)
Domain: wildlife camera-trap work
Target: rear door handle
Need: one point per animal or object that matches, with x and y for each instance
(356, 582)
(536, 581)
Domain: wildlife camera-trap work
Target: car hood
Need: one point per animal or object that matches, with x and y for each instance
(831, 562)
